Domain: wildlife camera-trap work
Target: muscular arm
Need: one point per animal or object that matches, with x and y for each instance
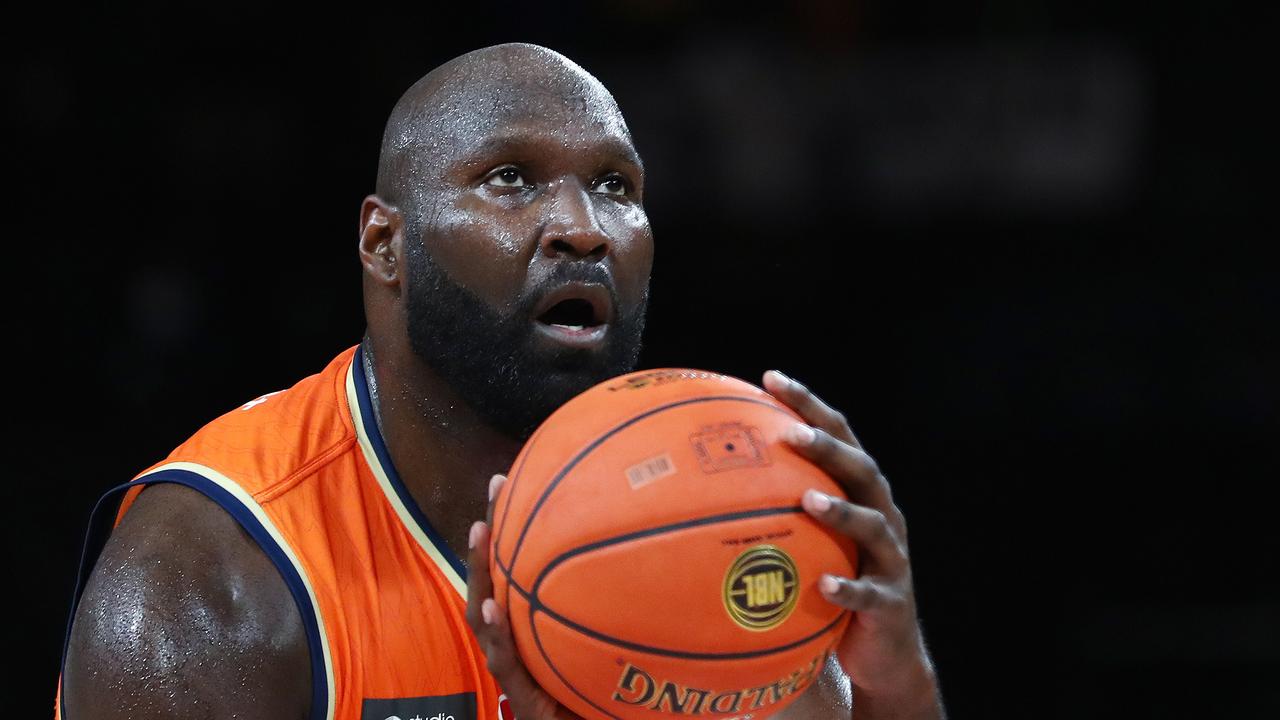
(831, 697)
(184, 616)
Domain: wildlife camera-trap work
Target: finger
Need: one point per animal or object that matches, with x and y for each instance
(495, 486)
(848, 465)
(809, 406)
(527, 699)
(479, 583)
(856, 595)
(869, 528)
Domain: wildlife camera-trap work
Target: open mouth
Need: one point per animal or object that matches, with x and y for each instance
(573, 314)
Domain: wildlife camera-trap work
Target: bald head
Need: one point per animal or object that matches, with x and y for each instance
(472, 98)
(506, 175)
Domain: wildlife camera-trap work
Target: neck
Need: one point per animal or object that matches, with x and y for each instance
(441, 450)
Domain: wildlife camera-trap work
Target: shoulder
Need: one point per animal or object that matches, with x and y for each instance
(184, 612)
(272, 442)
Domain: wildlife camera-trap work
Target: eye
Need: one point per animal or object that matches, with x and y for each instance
(612, 184)
(507, 176)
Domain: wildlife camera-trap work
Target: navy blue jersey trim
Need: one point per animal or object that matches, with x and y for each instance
(101, 523)
(384, 458)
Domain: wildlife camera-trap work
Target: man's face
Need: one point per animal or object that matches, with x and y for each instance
(542, 190)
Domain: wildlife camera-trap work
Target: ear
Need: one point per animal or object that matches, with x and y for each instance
(381, 239)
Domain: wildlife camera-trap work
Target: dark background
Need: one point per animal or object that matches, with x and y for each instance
(1021, 244)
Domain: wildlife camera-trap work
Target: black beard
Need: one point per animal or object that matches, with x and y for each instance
(492, 361)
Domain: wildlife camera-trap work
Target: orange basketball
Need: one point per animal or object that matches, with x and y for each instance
(650, 549)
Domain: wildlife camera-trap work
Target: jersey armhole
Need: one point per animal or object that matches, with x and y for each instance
(250, 516)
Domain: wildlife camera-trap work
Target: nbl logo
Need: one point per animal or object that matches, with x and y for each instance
(760, 588)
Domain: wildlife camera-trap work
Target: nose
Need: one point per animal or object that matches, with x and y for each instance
(571, 226)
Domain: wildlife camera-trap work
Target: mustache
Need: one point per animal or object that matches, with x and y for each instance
(567, 272)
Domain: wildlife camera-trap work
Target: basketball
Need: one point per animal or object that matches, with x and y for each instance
(652, 555)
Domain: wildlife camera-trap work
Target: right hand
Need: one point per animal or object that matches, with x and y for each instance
(488, 621)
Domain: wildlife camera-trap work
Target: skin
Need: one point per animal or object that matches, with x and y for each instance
(497, 234)
(544, 174)
(212, 597)
(184, 616)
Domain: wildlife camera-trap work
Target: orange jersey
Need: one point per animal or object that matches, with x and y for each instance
(381, 596)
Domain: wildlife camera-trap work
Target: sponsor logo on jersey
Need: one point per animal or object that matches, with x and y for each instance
(461, 706)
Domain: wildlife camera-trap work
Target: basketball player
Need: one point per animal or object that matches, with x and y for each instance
(299, 557)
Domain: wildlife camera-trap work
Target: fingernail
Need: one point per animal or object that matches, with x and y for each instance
(817, 502)
(828, 585)
(800, 434)
(474, 536)
(779, 378)
(495, 482)
(489, 611)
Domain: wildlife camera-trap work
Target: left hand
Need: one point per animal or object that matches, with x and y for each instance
(882, 652)
(492, 628)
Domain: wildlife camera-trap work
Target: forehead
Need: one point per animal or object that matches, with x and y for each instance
(501, 106)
